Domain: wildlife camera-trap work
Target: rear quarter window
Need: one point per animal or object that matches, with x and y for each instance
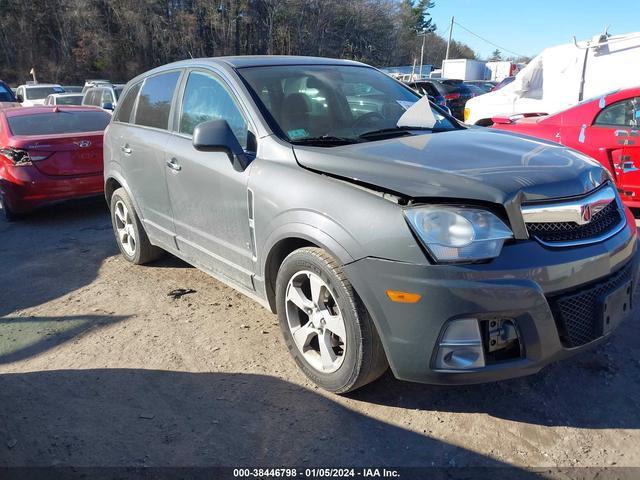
(125, 106)
(625, 113)
(58, 123)
(155, 100)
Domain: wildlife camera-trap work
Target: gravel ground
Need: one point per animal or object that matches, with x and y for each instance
(99, 366)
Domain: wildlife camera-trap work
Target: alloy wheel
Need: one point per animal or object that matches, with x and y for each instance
(125, 228)
(315, 322)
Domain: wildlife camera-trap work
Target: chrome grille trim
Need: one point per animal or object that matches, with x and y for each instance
(576, 211)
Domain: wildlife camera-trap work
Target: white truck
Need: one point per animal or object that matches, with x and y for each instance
(563, 76)
(464, 69)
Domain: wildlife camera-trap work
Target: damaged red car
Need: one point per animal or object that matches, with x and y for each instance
(606, 128)
(49, 154)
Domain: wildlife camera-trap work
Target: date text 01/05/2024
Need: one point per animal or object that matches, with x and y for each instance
(315, 473)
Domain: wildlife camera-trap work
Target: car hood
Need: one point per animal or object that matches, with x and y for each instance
(476, 164)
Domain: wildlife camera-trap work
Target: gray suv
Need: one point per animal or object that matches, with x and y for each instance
(451, 254)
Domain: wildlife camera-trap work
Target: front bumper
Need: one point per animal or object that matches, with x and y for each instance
(517, 285)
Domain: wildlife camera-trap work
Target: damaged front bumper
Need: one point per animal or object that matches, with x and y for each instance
(522, 291)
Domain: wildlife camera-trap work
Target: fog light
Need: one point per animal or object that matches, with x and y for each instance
(460, 346)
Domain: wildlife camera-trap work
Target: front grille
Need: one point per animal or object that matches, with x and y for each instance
(601, 223)
(578, 314)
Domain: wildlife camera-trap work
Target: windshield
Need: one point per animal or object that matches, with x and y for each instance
(308, 102)
(37, 93)
(118, 91)
(59, 122)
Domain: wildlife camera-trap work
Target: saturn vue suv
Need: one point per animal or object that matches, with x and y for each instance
(383, 232)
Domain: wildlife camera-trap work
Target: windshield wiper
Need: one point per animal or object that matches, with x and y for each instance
(325, 140)
(394, 131)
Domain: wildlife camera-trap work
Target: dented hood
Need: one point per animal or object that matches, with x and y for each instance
(476, 164)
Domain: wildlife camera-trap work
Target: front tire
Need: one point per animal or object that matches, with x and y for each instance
(132, 240)
(325, 325)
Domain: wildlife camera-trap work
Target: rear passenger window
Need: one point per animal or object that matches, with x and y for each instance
(126, 104)
(205, 98)
(155, 100)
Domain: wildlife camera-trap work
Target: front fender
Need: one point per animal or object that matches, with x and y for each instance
(307, 231)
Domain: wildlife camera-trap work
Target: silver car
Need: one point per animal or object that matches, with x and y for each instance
(381, 230)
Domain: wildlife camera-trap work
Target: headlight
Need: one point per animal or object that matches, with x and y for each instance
(458, 234)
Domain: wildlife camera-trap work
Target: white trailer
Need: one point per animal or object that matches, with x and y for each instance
(464, 69)
(501, 70)
(562, 76)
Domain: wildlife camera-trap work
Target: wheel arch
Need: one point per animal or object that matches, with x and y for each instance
(288, 239)
(110, 185)
(115, 181)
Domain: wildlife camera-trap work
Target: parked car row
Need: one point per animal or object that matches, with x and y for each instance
(450, 93)
(98, 93)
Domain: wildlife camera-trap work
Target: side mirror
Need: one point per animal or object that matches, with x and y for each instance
(107, 106)
(20, 98)
(217, 136)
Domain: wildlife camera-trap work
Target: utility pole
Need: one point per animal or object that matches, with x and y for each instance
(422, 34)
(446, 57)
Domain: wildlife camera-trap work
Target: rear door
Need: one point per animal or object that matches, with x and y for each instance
(141, 152)
(209, 198)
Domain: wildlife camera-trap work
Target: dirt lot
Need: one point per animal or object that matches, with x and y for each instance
(99, 366)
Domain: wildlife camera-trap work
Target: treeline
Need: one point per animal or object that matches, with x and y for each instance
(68, 41)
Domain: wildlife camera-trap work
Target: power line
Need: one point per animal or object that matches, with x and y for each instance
(489, 41)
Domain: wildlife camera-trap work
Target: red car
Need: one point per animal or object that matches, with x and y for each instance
(49, 154)
(605, 128)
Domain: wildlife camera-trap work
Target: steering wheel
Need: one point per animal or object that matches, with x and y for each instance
(367, 119)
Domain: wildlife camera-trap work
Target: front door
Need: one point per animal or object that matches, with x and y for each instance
(209, 198)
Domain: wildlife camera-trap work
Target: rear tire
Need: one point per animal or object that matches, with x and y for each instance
(312, 294)
(130, 235)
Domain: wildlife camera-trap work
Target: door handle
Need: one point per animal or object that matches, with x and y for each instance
(174, 165)
(126, 150)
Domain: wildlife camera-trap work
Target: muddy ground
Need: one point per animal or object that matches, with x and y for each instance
(99, 366)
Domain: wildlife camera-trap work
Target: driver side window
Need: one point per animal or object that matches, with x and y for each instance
(205, 98)
(623, 114)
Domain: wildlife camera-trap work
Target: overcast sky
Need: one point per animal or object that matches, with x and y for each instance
(527, 27)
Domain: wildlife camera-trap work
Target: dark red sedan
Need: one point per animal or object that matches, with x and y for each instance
(606, 128)
(48, 154)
